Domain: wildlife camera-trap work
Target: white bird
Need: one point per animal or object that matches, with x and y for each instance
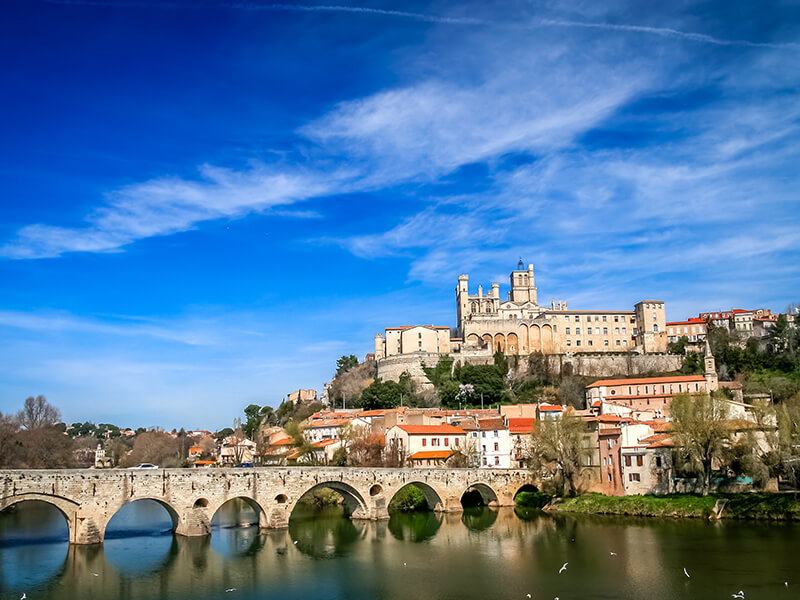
(739, 594)
(295, 542)
(685, 572)
(230, 590)
(563, 568)
(527, 595)
(613, 553)
(404, 564)
(24, 595)
(95, 574)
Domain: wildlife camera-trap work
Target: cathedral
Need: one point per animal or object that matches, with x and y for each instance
(520, 325)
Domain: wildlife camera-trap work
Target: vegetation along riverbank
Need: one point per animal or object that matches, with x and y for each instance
(725, 506)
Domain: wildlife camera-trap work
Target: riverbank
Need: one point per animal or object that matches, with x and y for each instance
(766, 506)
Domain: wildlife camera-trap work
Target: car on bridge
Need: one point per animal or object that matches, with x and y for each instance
(145, 466)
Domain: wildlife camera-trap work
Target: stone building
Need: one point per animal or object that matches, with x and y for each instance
(519, 325)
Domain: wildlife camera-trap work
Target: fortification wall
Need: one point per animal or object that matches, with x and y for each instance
(592, 365)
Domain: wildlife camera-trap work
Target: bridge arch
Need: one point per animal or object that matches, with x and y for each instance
(432, 497)
(480, 493)
(355, 505)
(173, 513)
(252, 503)
(68, 508)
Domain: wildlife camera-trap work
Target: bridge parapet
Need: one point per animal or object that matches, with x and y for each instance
(90, 498)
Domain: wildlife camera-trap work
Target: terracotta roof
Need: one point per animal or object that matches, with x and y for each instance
(205, 462)
(647, 380)
(323, 443)
(551, 407)
(430, 454)
(521, 425)
(330, 422)
(689, 321)
(378, 412)
(431, 429)
(283, 442)
(612, 419)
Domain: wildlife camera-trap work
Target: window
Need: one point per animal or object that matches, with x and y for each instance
(610, 461)
(616, 318)
(596, 319)
(658, 461)
(617, 342)
(590, 342)
(627, 461)
(616, 330)
(578, 343)
(633, 477)
(435, 442)
(639, 460)
(569, 342)
(655, 317)
(484, 461)
(655, 328)
(496, 460)
(605, 330)
(609, 444)
(420, 335)
(609, 476)
(483, 434)
(624, 331)
(624, 342)
(604, 461)
(588, 331)
(567, 330)
(566, 318)
(457, 443)
(604, 318)
(577, 331)
(496, 433)
(424, 442)
(447, 442)
(496, 447)
(605, 342)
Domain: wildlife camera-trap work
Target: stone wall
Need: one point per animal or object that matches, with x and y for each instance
(592, 365)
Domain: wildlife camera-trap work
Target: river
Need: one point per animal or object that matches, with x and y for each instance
(482, 555)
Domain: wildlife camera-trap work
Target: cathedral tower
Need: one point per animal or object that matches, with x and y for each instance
(523, 288)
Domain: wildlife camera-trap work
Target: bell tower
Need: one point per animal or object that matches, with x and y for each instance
(523, 288)
(712, 382)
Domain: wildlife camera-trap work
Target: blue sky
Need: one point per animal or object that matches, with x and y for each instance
(204, 204)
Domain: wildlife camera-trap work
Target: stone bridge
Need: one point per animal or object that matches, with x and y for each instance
(89, 498)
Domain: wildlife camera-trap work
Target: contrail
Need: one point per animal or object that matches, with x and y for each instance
(278, 8)
(666, 32)
(660, 31)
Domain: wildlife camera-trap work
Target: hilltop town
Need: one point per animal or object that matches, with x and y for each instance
(488, 393)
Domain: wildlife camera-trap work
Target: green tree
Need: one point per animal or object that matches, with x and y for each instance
(702, 434)
(345, 363)
(558, 450)
(382, 394)
(253, 418)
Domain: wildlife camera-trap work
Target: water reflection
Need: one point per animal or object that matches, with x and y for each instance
(511, 555)
(478, 518)
(418, 526)
(32, 532)
(323, 533)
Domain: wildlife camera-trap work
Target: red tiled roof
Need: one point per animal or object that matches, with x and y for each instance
(647, 380)
(323, 443)
(378, 412)
(283, 442)
(612, 419)
(521, 425)
(689, 321)
(330, 422)
(550, 407)
(432, 429)
(205, 462)
(430, 454)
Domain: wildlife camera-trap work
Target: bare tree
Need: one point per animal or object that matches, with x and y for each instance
(9, 444)
(154, 447)
(38, 412)
(558, 450)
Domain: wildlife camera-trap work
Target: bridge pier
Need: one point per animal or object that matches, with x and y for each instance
(86, 528)
(194, 522)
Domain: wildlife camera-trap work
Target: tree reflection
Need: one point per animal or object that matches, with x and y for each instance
(328, 534)
(478, 518)
(417, 526)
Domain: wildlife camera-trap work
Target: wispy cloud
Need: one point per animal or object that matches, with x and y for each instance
(170, 205)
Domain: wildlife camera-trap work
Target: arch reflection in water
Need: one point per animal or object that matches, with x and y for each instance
(479, 494)
(139, 537)
(415, 526)
(235, 528)
(31, 533)
(324, 533)
(478, 518)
